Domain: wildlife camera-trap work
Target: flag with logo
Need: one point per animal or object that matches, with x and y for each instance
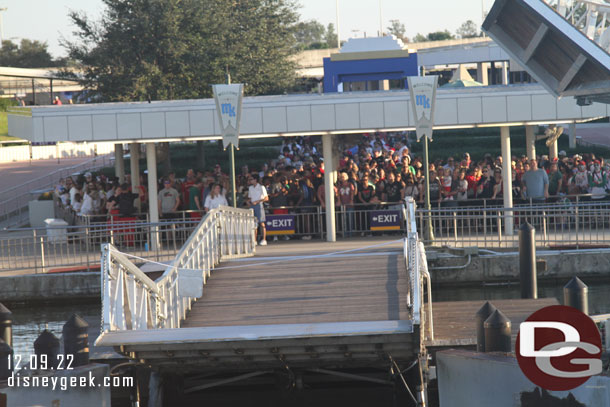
(228, 107)
(423, 95)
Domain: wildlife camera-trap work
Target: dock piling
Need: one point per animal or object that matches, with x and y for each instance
(6, 357)
(6, 325)
(482, 314)
(76, 340)
(497, 333)
(46, 344)
(527, 261)
(576, 294)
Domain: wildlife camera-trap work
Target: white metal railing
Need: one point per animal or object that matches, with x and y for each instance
(417, 269)
(132, 301)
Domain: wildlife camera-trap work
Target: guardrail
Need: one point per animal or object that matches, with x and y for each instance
(560, 224)
(132, 301)
(64, 247)
(417, 269)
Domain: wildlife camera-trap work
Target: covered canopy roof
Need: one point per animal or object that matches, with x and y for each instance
(292, 115)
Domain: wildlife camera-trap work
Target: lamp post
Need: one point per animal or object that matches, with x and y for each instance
(1, 26)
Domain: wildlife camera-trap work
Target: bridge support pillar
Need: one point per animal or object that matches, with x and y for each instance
(572, 135)
(153, 203)
(504, 71)
(329, 187)
(530, 142)
(134, 164)
(482, 68)
(119, 163)
(507, 180)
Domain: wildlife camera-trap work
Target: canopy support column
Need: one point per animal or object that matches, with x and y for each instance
(119, 163)
(134, 164)
(530, 142)
(153, 203)
(329, 190)
(507, 180)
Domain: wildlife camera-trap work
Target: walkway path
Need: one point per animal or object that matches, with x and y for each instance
(18, 173)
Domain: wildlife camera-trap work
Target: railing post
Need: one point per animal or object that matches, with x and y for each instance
(576, 226)
(499, 227)
(34, 246)
(42, 262)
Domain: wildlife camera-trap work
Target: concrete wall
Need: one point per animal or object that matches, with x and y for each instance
(40, 287)
(468, 378)
(555, 264)
(69, 396)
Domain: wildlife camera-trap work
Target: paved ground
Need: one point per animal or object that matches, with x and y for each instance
(18, 173)
(594, 135)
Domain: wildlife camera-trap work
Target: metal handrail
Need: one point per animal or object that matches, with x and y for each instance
(132, 301)
(417, 270)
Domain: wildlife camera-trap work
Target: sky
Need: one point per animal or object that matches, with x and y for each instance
(47, 20)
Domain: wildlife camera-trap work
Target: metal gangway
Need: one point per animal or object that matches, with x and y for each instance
(162, 323)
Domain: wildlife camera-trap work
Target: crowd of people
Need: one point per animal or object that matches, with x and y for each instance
(378, 172)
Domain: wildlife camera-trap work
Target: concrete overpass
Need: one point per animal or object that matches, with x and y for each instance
(293, 115)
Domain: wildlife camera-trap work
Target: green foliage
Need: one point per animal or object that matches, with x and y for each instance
(313, 35)
(420, 38)
(330, 37)
(468, 29)
(440, 36)
(309, 32)
(398, 29)
(27, 54)
(175, 49)
(4, 104)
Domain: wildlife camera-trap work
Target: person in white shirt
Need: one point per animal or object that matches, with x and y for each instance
(257, 194)
(214, 199)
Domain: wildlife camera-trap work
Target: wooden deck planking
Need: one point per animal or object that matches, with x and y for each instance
(313, 290)
(455, 323)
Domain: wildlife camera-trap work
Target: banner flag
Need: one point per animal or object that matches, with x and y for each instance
(228, 106)
(423, 96)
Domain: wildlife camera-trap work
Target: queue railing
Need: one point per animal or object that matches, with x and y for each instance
(133, 301)
(562, 224)
(77, 247)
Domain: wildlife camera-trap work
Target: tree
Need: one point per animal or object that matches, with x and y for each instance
(331, 36)
(398, 30)
(468, 29)
(420, 38)
(28, 54)
(440, 36)
(308, 33)
(171, 49)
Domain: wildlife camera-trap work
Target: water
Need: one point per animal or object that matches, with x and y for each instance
(30, 321)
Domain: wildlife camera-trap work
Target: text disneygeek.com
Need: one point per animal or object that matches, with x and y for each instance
(65, 382)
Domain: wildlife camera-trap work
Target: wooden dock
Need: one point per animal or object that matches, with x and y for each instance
(296, 304)
(272, 288)
(455, 323)
(307, 305)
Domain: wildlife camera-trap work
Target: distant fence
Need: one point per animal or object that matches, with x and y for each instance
(60, 150)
